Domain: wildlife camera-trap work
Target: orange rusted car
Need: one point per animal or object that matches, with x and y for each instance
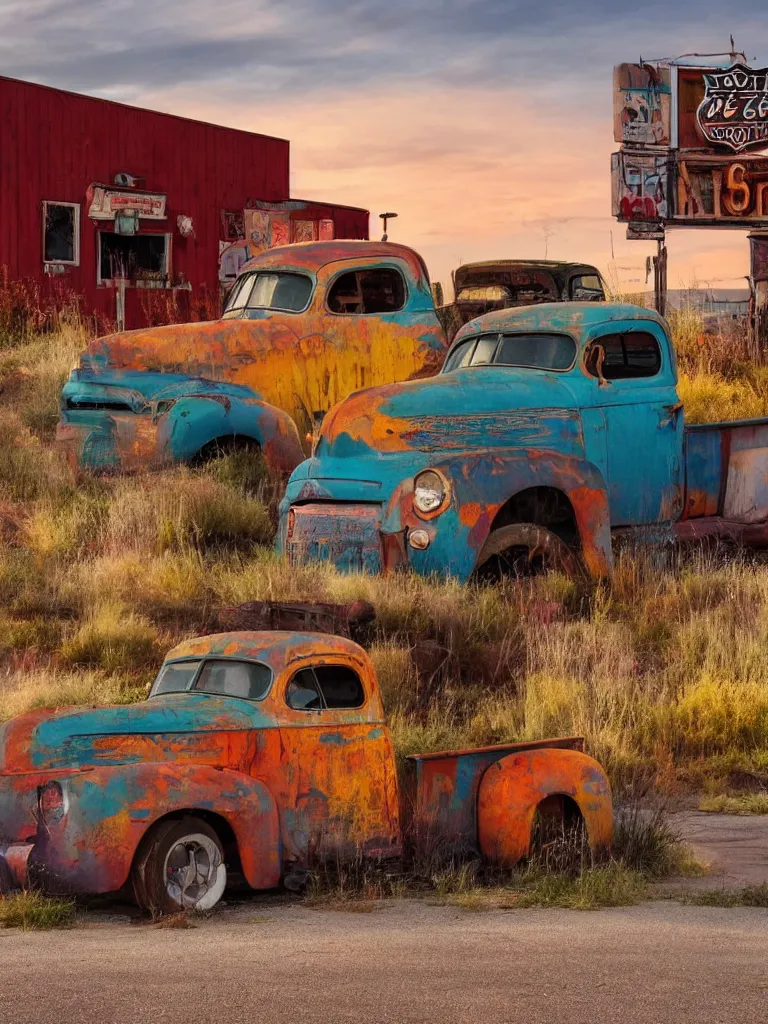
(266, 753)
(304, 326)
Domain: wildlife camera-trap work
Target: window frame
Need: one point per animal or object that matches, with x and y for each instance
(312, 667)
(598, 339)
(76, 237)
(149, 283)
(362, 270)
(196, 675)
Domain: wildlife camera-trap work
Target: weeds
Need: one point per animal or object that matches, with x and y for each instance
(611, 886)
(30, 910)
(749, 896)
(747, 803)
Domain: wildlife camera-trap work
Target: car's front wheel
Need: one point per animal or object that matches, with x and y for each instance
(180, 867)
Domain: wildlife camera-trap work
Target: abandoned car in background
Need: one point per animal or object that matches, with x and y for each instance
(503, 284)
(550, 429)
(304, 326)
(264, 753)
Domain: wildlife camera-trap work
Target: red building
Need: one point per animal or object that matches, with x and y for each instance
(137, 213)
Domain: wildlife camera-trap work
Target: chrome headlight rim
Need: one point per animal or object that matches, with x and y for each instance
(443, 494)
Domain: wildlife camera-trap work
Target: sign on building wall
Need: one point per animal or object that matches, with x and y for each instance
(105, 203)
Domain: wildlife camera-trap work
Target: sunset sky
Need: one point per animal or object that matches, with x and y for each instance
(486, 125)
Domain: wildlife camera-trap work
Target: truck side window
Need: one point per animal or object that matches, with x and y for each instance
(303, 693)
(341, 686)
(627, 356)
(379, 290)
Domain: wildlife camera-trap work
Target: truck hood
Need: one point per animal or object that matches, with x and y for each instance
(214, 350)
(482, 407)
(173, 727)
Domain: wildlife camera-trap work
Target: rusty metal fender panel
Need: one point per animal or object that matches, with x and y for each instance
(513, 787)
(90, 846)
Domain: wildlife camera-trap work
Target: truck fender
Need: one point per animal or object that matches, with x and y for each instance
(512, 788)
(194, 421)
(483, 482)
(107, 812)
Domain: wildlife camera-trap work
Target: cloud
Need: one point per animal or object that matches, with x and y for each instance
(485, 124)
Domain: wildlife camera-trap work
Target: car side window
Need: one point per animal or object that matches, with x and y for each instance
(303, 693)
(379, 290)
(325, 687)
(587, 288)
(340, 686)
(624, 356)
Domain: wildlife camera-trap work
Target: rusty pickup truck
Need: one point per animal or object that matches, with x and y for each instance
(550, 430)
(262, 753)
(304, 326)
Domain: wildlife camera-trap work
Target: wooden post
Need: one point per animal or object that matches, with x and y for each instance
(660, 279)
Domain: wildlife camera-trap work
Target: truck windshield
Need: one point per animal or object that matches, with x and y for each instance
(269, 290)
(225, 677)
(536, 351)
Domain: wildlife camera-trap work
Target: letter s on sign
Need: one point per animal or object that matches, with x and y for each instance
(736, 195)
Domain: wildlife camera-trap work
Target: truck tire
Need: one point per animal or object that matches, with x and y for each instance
(525, 549)
(179, 867)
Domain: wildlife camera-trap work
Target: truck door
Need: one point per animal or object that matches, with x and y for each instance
(634, 377)
(341, 796)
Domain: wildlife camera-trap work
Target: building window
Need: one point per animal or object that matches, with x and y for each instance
(138, 259)
(61, 233)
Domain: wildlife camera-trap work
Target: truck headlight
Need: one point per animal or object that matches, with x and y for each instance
(430, 493)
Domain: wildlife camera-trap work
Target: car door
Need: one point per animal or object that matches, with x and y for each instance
(635, 402)
(341, 797)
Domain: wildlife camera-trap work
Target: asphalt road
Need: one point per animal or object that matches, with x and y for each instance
(408, 962)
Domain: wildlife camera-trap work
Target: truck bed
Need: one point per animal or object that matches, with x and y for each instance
(726, 481)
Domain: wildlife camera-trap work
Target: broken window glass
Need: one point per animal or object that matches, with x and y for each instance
(60, 237)
(133, 257)
(379, 290)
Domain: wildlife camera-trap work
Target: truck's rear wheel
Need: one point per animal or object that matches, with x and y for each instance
(180, 867)
(525, 549)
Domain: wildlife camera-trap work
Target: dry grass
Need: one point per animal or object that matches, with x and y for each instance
(30, 910)
(747, 803)
(665, 672)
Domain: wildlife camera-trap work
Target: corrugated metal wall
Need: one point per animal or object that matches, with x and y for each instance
(54, 144)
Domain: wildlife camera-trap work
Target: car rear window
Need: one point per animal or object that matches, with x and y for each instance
(536, 351)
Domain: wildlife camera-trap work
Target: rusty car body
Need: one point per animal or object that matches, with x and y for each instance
(550, 430)
(304, 326)
(481, 288)
(266, 752)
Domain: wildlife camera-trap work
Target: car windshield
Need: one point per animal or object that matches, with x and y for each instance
(277, 290)
(224, 677)
(536, 351)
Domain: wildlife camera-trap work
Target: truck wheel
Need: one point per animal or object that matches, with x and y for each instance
(525, 549)
(179, 867)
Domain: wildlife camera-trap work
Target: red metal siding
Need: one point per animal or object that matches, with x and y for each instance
(54, 144)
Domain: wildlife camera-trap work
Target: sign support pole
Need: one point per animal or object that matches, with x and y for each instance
(758, 283)
(660, 278)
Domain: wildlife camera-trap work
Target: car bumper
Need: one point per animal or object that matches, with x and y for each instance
(347, 535)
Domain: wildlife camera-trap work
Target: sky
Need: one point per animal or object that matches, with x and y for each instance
(486, 124)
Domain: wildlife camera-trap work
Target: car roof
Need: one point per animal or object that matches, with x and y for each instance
(572, 317)
(276, 648)
(314, 255)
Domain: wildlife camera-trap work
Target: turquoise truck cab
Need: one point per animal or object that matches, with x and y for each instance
(550, 429)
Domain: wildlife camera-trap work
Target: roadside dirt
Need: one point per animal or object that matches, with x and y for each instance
(733, 847)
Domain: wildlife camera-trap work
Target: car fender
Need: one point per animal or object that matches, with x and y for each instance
(195, 420)
(512, 788)
(107, 811)
(481, 483)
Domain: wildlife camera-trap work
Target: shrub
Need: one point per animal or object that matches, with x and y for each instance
(114, 639)
(30, 910)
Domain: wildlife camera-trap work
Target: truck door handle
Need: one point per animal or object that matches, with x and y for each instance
(673, 412)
